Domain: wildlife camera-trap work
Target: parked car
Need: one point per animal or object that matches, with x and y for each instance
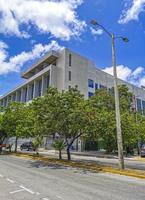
(142, 152)
(27, 146)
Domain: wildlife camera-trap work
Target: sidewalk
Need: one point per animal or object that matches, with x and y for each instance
(99, 158)
(96, 154)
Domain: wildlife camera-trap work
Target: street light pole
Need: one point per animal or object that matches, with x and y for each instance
(117, 107)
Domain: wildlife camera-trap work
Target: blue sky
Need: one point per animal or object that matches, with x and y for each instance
(30, 28)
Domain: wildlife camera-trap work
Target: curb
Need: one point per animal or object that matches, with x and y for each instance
(82, 165)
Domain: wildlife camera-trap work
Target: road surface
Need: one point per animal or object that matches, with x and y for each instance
(23, 179)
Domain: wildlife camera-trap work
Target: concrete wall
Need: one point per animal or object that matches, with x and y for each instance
(81, 70)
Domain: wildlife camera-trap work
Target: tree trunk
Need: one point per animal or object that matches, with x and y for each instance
(68, 153)
(16, 144)
(0, 150)
(60, 156)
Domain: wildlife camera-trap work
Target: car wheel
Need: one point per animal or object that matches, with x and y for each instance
(21, 148)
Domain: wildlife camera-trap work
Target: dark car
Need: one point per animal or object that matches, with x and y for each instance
(27, 146)
(142, 152)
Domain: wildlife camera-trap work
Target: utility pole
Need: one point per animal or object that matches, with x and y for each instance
(117, 107)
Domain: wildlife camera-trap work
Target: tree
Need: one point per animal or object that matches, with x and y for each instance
(59, 145)
(65, 113)
(18, 121)
(128, 131)
(46, 110)
(3, 134)
(125, 97)
(37, 141)
(103, 102)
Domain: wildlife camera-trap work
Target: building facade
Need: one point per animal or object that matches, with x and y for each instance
(63, 70)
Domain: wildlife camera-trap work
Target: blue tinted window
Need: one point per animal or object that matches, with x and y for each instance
(138, 104)
(90, 94)
(143, 106)
(90, 83)
(103, 87)
(96, 86)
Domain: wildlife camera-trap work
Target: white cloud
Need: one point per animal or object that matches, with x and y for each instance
(137, 72)
(142, 81)
(122, 71)
(15, 63)
(96, 32)
(132, 11)
(56, 17)
(136, 76)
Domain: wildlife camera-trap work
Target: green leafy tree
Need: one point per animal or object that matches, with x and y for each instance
(103, 102)
(125, 97)
(59, 145)
(128, 131)
(74, 119)
(46, 111)
(3, 134)
(18, 121)
(64, 113)
(37, 141)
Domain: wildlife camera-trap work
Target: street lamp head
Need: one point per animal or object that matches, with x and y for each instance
(125, 39)
(94, 22)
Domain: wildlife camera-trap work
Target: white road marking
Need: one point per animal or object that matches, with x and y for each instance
(59, 197)
(10, 180)
(45, 199)
(37, 193)
(16, 191)
(22, 189)
(1, 176)
(28, 190)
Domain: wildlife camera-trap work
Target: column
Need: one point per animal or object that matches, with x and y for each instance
(16, 96)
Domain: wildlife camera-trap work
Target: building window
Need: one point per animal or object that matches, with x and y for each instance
(1, 102)
(103, 87)
(19, 96)
(138, 104)
(90, 94)
(25, 99)
(39, 87)
(32, 91)
(90, 83)
(143, 107)
(69, 76)
(70, 60)
(69, 87)
(96, 86)
(47, 81)
(14, 97)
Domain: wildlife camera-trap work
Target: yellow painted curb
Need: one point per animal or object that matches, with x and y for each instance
(82, 165)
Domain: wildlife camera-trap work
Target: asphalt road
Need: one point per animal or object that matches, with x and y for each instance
(23, 179)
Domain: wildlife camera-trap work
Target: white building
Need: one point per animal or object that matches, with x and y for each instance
(62, 70)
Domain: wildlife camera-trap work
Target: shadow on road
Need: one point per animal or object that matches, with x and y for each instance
(42, 164)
